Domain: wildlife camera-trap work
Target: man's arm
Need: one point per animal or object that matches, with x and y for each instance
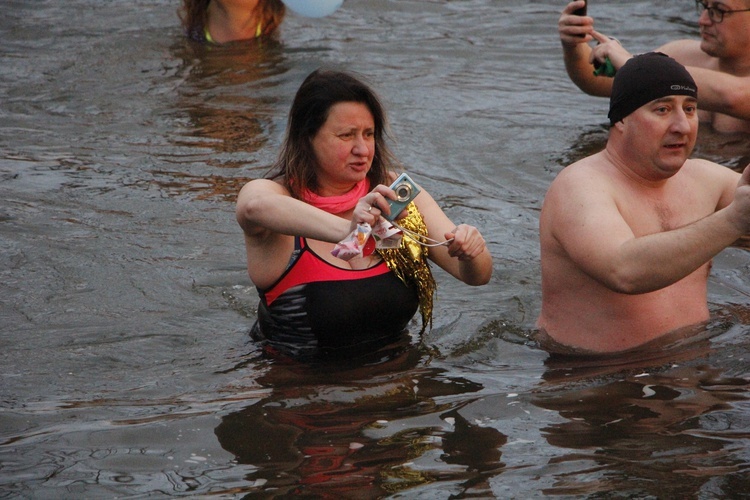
(575, 33)
(718, 91)
(722, 93)
(588, 225)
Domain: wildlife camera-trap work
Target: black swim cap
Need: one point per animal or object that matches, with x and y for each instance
(644, 78)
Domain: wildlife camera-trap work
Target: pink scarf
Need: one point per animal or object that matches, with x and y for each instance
(337, 204)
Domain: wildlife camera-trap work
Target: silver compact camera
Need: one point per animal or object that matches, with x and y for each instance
(406, 190)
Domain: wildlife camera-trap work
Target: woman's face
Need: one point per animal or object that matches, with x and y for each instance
(344, 147)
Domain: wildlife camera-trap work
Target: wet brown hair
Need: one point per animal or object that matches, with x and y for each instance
(297, 164)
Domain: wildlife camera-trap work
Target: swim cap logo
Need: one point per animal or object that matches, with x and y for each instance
(646, 77)
(682, 87)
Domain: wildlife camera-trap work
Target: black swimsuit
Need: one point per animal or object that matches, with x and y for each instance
(316, 309)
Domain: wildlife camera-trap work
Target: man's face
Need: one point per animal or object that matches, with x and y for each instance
(660, 136)
(729, 39)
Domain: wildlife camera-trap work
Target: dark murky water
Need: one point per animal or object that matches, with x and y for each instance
(124, 304)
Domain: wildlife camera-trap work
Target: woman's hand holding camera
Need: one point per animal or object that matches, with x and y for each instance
(368, 208)
(376, 203)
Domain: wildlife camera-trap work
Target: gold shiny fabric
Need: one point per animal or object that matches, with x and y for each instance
(409, 263)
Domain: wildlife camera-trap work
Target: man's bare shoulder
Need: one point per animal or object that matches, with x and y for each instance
(686, 52)
(709, 174)
(710, 181)
(705, 169)
(581, 173)
(579, 182)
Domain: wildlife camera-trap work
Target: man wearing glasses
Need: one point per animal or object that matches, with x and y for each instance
(719, 62)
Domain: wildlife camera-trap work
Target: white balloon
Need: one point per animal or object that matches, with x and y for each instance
(313, 8)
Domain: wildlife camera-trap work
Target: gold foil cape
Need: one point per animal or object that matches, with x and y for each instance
(409, 263)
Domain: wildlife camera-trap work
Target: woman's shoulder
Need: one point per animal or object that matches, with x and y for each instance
(264, 185)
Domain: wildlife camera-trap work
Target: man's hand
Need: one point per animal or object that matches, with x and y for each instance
(608, 47)
(574, 29)
(741, 203)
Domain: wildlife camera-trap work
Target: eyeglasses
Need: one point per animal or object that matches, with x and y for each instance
(715, 14)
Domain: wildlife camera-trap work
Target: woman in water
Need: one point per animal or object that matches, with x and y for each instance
(222, 21)
(332, 175)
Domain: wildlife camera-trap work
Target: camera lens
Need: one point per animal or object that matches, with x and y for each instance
(403, 191)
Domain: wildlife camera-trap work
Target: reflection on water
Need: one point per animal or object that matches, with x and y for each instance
(636, 434)
(223, 116)
(125, 306)
(635, 423)
(328, 431)
(218, 94)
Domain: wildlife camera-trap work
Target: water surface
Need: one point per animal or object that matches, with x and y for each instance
(124, 302)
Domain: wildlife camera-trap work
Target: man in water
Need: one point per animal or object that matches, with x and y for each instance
(719, 62)
(627, 235)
